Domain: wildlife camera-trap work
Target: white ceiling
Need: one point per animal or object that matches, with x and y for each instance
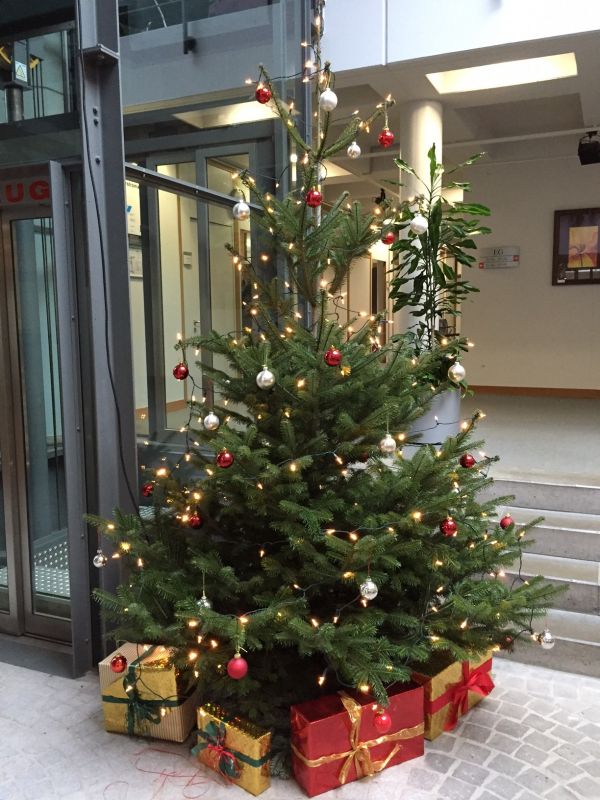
(510, 124)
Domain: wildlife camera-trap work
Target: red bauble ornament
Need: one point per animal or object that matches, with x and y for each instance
(180, 371)
(506, 521)
(224, 459)
(237, 667)
(389, 237)
(118, 663)
(263, 93)
(467, 461)
(386, 138)
(148, 489)
(448, 527)
(314, 198)
(333, 357)
(195, 521)
(382, 722)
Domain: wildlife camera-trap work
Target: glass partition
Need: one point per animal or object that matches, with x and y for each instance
(180, 283)
(37, 98)
(136, 16)
(183, 282)
(35, 278)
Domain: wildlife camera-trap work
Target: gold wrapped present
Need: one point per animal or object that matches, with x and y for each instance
(236, 749)
(452, 690)
(148, 698)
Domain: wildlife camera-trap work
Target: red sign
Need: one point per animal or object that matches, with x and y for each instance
(24, 192)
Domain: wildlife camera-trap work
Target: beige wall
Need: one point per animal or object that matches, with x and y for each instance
(526, 331)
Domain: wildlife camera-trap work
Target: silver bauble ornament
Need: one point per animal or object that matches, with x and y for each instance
(204, 602)
(265, 379)
(211, 422)
(241, 211)
(353, 150)
(387, 444)
(369, 589)
(457, 372)
(328, 100)
(100, 560)
(418, 224)
(546, 639)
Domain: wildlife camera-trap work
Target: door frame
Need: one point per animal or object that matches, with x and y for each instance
(21, 619)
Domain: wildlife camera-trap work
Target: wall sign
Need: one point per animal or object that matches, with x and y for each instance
(504, 257)
(24, 192)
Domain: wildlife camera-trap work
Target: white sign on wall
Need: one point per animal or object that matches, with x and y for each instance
(504, 257)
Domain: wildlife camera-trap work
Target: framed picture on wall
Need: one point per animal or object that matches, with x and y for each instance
(576, 255)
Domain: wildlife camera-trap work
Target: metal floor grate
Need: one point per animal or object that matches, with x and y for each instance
(50, 571)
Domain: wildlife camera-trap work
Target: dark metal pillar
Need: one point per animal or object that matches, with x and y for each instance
(108, 275)
(14, 103)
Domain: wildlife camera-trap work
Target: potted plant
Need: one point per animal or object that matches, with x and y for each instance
(437, 237)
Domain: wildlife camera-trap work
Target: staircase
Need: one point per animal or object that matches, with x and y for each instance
(567, 552)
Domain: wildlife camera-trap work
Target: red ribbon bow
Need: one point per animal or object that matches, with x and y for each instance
(224, 761)
(472, 681)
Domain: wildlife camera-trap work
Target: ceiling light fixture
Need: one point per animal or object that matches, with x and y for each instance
(506, 73)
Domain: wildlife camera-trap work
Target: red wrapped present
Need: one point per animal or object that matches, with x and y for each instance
(452, 690)
(335, 739)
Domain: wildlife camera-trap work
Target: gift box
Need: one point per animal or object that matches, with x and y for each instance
(335, 739)
(235, 748)
(451, 690)
(149, 698)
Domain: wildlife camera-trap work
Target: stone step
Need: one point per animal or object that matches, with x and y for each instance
(570, 626)
(561, 533)
(573, 498)
(579, 578)
(577, 647)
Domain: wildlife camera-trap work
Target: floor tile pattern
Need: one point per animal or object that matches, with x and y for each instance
(537, 736)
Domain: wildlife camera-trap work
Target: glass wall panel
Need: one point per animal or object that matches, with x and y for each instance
(226, 288)
(180, 282)
(35, 280)
(136, 16)
(4, 604)
(136, 298)
(37, 118)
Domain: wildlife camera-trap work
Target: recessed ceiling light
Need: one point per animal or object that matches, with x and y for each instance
(507, 73)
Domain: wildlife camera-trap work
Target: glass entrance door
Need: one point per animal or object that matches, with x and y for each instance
(34, 569)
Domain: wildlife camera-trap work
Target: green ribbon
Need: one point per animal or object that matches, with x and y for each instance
(212, 738)
(139, 709)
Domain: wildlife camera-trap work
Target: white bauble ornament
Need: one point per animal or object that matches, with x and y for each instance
(241, 211)
(211, 422)
(204, 602)
(457, 372)
(100, 560)
(369, 589)
(328, 100)
(546, 639)
(418, 224)
(387, 444)
(353, 150)
(265, 379)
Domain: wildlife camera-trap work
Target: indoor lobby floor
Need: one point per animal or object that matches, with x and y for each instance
(536, 736)
(550, 439)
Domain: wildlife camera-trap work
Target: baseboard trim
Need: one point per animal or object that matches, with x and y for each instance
(536, 391)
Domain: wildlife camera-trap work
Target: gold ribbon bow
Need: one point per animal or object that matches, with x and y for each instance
(360, 752)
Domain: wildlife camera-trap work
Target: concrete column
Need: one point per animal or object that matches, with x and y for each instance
(420, 127)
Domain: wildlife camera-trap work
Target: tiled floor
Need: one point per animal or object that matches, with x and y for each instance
(537, 736)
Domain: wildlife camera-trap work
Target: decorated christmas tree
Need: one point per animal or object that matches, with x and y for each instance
(294, 549)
